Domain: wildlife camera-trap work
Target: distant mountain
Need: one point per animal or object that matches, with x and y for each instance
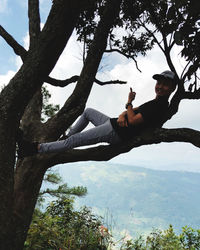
(137, 199)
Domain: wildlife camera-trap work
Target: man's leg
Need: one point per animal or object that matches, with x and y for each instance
(101, 133)
(89, 115)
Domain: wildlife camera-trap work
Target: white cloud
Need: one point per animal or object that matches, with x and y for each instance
(4, 79)
(3, 5)
(68, 65)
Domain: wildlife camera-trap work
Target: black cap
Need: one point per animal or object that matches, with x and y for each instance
(167, 74)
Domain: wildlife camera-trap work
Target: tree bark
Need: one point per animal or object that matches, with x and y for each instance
(107, 152)
(28, 179)
(29, 172)
(7, 160)
(14, 98)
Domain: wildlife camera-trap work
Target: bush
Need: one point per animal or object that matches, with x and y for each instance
(61, 227)
(166, 240)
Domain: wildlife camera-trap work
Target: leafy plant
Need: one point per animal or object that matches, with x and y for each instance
(48, 109)
(60, 226)
(166, 240)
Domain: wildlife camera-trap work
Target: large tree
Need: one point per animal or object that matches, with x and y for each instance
(21, 99)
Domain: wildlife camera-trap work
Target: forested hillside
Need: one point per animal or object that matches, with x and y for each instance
(137, 199)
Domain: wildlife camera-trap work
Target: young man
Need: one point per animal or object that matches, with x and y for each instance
(111, 130)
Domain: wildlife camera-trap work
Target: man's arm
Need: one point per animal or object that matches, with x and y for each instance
(122, 119)
(133, 119)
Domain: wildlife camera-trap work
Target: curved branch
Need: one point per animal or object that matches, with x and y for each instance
(173, 107)
(124, 54)
(18, 49)
(171, 41)
(64, 83)
(109, 82)
(61, 83)
(180, 95)
(34, 21)
(183, 76)
(152, 34)
(104, 153)
(167, 48)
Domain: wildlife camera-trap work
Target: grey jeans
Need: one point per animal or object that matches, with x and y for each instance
(102, 132)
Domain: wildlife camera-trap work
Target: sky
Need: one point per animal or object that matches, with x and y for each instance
(108, 99)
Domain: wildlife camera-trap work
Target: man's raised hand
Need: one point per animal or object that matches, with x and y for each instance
(131, 96)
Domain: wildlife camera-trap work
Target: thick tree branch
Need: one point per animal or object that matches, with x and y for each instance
(34, 21)
(63, 83)
(75, 104)
(180, 95)
(192, 95)
(173, 107)
(168, 58)
(18, 49)
(104, 153)
(31, 119)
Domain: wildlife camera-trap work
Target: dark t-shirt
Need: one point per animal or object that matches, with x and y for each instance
(153, 113)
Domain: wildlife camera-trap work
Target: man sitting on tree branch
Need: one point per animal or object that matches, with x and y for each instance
(111, 130)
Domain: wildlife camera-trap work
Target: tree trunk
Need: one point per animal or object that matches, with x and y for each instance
(7, 160)
(28, 179)
(29, 173)
(38, 63)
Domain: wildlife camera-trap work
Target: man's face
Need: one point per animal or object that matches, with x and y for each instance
(164, 87)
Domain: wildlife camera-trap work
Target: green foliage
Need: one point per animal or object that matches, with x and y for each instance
(187, 33)
(178, 21)
(163, 240)
(61, 227)
(166, 240)
(133, 42)
(61, 190)
(190, 238)
(48, 109)
(87, 22)
(52, 177)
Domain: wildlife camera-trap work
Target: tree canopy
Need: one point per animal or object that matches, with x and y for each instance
(148, 23)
